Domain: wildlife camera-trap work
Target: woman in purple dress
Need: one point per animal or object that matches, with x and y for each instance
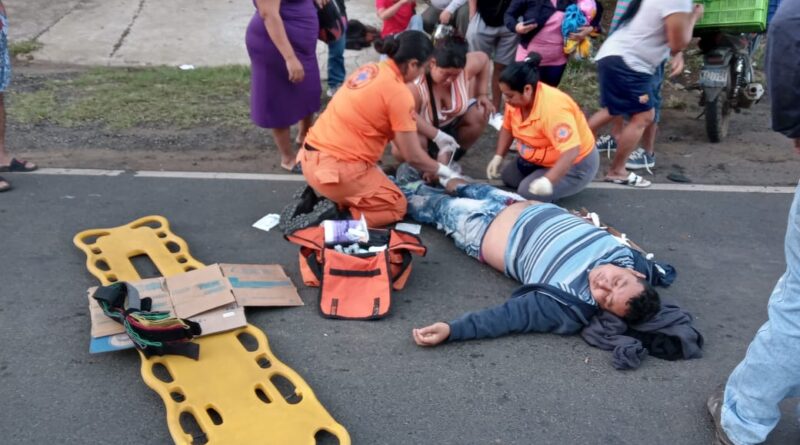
(285, 85)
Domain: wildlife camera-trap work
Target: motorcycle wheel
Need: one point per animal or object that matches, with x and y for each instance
(718, 113)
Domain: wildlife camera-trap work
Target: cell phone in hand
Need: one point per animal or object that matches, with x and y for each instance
(529, 22)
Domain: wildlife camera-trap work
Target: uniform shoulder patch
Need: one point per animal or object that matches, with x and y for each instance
(562, 132)
(362, 76)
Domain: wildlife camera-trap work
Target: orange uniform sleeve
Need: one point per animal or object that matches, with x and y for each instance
(402, 112)
(561, 130)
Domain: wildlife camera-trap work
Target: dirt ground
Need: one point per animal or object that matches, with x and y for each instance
(751, 155)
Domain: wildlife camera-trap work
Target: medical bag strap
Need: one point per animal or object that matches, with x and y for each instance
(433, 149)
(403, 248)
(310, 240)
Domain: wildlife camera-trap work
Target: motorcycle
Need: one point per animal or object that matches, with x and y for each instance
(727, 78)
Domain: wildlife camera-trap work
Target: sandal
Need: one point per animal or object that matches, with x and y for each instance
(18, 165)
(296, 169)
(633, 180)
(4, 185)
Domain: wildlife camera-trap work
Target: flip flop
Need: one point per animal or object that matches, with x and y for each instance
(17, 165)
(6, 187)
(296, 169)
(633, 180)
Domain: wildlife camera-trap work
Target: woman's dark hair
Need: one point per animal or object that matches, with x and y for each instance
(408, 45)
(644, 306)
(519, 74)
(450, 52)
(633, 8)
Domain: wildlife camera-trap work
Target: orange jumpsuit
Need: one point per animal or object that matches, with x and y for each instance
(343, 147)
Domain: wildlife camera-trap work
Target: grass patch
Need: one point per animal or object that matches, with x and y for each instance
(123, 98)
(580, 82)
(23, 47)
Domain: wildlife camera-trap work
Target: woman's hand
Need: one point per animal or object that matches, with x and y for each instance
(676, 64)
(486, 106)
(524, 29)
(295, 69)
(582, 33)
(431, 335)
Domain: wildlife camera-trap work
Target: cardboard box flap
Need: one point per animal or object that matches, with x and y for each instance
(221, 319)
(199, 291)
(261, 285)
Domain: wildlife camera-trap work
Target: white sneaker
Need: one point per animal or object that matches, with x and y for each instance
(496, 121)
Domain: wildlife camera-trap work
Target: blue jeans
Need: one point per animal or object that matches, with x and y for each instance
(770, 371)
(336, 71)
(465, 216)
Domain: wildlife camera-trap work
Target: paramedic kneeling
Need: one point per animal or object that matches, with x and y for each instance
(557, 157)
(374, 106)
(570, 269)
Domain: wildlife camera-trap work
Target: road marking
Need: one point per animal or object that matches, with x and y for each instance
(277, 177)
(220, 175)
(77, 172)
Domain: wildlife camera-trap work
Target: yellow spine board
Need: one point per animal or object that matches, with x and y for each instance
(238, 392)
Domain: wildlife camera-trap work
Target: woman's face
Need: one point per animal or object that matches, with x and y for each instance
(444, 76)
(414, 69)
(515, 98)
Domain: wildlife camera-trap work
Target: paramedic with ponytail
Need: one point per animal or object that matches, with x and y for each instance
(557, 157)
(373, 107)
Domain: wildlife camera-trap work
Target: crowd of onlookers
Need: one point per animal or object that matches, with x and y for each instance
(460, 91)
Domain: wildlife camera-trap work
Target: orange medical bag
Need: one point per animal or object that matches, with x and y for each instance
(356, 286)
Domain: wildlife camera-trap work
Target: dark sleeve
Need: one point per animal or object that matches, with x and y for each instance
(531, 312)
(783, 69)
(512, 13)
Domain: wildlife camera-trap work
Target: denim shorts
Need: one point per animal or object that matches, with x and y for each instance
(5, 59)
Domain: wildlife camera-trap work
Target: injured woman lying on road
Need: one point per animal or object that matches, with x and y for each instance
(577, 278)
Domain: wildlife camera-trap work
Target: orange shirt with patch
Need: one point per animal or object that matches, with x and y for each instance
(555, 125)
(373, 104)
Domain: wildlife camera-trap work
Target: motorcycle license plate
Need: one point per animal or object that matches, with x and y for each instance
(713, 78)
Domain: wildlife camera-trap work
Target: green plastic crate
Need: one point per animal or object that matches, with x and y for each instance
(734, 15)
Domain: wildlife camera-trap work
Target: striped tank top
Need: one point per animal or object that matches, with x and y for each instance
(459, 100)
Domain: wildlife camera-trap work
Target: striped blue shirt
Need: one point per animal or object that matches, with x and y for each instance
(549, 245)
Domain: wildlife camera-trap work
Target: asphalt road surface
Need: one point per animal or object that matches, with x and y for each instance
(528, 389)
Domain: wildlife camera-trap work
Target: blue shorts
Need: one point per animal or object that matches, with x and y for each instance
(5, 60)
(623, 91)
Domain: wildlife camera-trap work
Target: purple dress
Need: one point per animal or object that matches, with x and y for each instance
(274, 101)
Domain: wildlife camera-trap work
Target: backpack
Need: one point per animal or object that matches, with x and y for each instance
(356, 286)
(332, 22)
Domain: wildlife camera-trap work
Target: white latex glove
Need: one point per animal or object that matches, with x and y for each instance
(493, 169)
(445, 172)
(444, 181)
(445, 142)
(541, 187)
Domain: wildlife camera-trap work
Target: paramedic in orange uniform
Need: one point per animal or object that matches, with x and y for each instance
(557, 157)
(373, 107)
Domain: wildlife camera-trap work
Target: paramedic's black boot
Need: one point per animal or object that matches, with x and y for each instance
(302, 201)
(306, 210)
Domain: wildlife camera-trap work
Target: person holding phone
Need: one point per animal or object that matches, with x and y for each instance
(538, 23)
